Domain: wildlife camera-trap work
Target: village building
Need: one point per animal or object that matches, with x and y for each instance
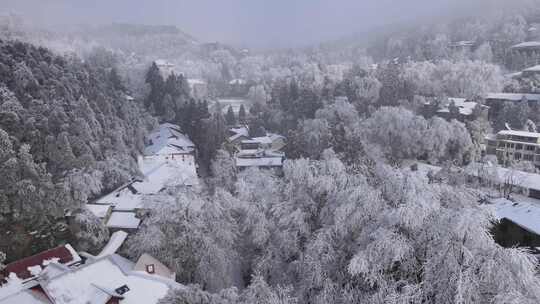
(61, 276)
(531, 72)
(527, 47)
(260, 159)
(519, 222)
(167, 161)
(238, 87)
(165, 68)
(260, 152)
(198, 88)
(169, 143)
(495, 101)
(463, 45)
(509, 146)
(28, 268)
(461, 109)
(236, 136)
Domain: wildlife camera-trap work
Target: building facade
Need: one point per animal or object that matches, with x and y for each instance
(511, 146)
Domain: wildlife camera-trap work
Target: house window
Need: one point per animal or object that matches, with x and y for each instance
(150, 268)
(517, 156)
(519, 146)
(529, 148)
(122, 289)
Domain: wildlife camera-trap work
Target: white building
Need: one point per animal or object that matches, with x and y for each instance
(510, 145)
(198, 88)
(166, 68)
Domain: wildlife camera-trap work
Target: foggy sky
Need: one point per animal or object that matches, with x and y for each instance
(255, 23)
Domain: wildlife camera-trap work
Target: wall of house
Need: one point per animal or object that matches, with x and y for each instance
(508, 234)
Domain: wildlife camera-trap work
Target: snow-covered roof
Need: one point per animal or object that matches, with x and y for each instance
(194, 81)
(465, 107)
(238, 133)
(26, 296)
(513, 96)
(513, 75)
(258, 140)
(162, 173)
(20, 275)
(527, 44)
(123, 220)
(519, 133)
(463, 43)
(535, 68)
(27, 268)
(159, 268)
(237, 136)
(98, 281)
(123, 199)
(168, 139)
(241, 130)
(274, 136)
(237, 81)
(99, 211)
(163, 62)
(259, 162)
(158, 174)
(115, 242)
(525, 214)
(518, 178)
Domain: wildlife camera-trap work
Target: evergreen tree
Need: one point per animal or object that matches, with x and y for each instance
(242, 115)
(157, 88)
(256, 127)
(116, 80)
(230, 117)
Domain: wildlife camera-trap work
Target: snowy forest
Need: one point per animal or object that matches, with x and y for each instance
(356, 214)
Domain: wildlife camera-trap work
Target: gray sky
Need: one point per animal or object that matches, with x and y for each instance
(259, 23)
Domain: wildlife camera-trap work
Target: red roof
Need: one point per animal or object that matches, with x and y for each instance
(64, 254)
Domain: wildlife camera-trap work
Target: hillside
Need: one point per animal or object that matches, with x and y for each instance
(67, 133)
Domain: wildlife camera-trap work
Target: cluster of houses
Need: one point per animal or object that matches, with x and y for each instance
(63, 276)
(259, 152)
(168, 160)
(461, 109)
